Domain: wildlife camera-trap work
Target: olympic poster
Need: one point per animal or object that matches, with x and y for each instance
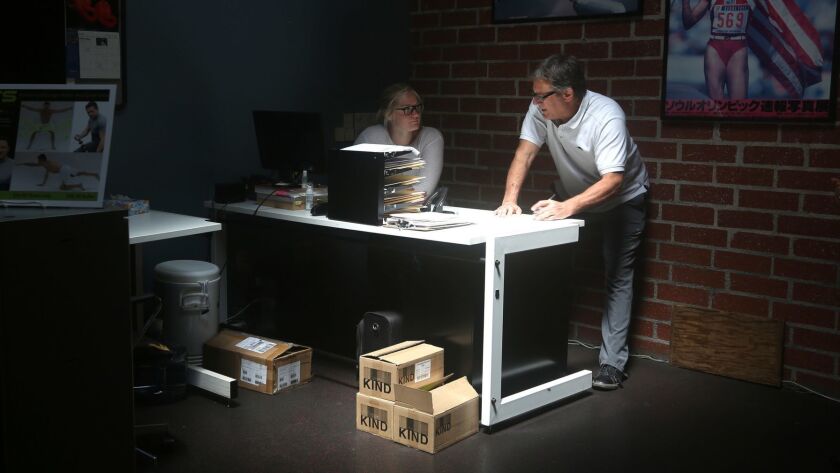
(750, 60)
(54, 144)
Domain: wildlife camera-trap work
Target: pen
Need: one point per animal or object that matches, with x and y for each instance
(552, 197)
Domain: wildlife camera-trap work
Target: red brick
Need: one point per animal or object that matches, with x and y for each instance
(497, 52)
(497, 87)
(651, 7)
(687, 172)
(698, 276)
(432, 37)
(663, 332)
(426, 5)
(500, 159)
(811, 133)
(612, 29)
(760, 243)
(709, 153)
(538, 52)
(742, 262)
(744, 176)
(641, 327)
(421, 55)
(457, 87)
(779, 156)
(650, 347)
(700, 236)
(748, 132)
(478, 105)
(497, 123)
(758, 285)
(516, 106)
(685, 254)
(819, 340)
(768, 200)
(744, 219)
(471, 140)
(460, 53)
(560, 30)
(460, 18)
(517, 33)
(649, 27)
(508, 69)
(610, 68)
(816, 294)
(655, 270)
(809, 226)
(429, 87)
(463, 122)
(688, 214)
(464, 70)
(821, 204)
(809, 360)
(481, 34)
(805, 180)
(798, 269)
(441, 104)
(741, 304)
(654, 310)
(646, 108)
(682, 294)
(803, 315)
(509, 142)
(471, 175)
(825, 158)
(658, 231)
(463, 192)
(657, 149)
(637, 49)
(635, 87)
(687, 131)
(461, 156)
(642, 128)
(649, 67)
(587, 50)
(824, 250)
(707, 194)
(431, 71)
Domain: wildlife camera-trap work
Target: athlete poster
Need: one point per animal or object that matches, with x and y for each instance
(54, 144)
(750, 60)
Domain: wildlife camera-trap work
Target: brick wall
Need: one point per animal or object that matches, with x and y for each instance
(742, 216)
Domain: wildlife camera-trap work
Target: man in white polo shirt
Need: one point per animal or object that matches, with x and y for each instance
(602, 177)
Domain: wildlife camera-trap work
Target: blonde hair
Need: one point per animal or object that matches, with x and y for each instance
(388, 100)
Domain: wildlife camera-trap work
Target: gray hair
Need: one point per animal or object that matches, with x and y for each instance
(562, 71)
(388, 100)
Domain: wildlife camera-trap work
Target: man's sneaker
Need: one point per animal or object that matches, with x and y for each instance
(609, 377)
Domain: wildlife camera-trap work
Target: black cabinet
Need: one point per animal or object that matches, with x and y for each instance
(65, 338)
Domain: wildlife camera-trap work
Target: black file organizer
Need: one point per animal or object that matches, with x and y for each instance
(356, 183)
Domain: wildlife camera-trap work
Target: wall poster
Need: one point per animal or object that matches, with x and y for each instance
(750, 60)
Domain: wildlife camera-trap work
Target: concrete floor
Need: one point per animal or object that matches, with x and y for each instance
(664, 419)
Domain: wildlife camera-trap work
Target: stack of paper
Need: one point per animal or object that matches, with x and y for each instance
(425, 221)
(398, 193)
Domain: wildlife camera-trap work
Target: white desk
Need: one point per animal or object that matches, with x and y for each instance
(158, 225)
(501, 236)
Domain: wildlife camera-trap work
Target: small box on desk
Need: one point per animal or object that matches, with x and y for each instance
(259, 364)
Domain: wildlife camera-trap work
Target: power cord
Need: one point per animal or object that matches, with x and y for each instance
(261, 203)
(794, 383)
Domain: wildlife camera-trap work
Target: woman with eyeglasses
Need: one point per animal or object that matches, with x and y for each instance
(400, 111)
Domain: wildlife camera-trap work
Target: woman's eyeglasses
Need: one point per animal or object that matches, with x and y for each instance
(409, 109)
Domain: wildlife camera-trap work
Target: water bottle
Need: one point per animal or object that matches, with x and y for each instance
(310, 196)
(304, 179)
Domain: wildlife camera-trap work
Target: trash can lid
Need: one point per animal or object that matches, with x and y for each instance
(186, 271)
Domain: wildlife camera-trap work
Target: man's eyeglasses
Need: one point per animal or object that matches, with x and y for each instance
(537, 98)
(409, 109)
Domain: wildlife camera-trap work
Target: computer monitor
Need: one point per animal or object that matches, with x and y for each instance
(290, 142)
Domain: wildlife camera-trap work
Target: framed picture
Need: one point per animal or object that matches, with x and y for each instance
(750, 60)
(54, 143)
(510, 11)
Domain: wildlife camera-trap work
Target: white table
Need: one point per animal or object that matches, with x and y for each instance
(501, 237)
(158, 225)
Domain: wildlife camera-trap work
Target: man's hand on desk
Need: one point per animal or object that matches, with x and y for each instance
(508, 208)
(552, 210)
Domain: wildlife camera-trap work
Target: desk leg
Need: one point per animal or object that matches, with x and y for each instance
(494, 408)
(218, 256)
(136, 261)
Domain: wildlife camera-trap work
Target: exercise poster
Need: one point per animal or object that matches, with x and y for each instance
(54, 144)
(750, 59)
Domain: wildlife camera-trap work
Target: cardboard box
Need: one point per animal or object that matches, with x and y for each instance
(431, 420)
(375, 415)
(411, 363)
(259, 364)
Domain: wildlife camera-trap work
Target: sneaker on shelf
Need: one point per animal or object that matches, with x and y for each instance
(609, 377)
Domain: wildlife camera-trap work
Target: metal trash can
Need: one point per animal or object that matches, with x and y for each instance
(189, 293)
